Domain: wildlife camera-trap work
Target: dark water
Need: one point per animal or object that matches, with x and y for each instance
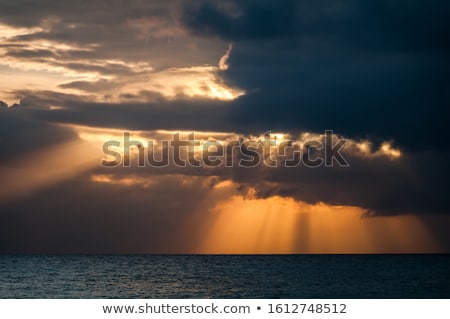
(159, 276)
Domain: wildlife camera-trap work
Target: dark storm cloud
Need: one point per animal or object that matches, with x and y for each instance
(253, 19)
(182, 114)
(368, 25)
(416, 184)
(376, 68)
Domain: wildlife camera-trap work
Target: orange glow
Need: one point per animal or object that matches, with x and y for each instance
(47, 167)
(278, 225)
(124, 181)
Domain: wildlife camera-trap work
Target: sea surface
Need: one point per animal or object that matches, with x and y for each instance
(225, 276)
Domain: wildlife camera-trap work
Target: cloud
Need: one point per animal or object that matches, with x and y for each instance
(109, 79)
(380, 25)
(223, 66)
(22, 136)
(379, 180)
(356, 68)
(256, 19)
(375, 73)
(94, 48)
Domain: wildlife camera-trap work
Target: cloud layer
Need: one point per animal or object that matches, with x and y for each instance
(72, 74)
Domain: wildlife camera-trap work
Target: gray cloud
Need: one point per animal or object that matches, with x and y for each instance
(22, 135)
(107, 218)
(254, 20)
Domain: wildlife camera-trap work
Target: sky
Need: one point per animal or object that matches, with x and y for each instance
(77, 74)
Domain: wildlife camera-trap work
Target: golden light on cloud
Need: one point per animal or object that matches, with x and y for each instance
(108, 79)
(365, 148)
(223, 62)
(123, 181)
(388, 150)
(278, 149)
(195, 82)
(7, 32)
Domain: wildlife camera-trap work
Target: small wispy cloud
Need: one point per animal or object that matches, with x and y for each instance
(223, 65)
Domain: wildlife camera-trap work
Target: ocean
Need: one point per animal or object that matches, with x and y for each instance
(224, 276)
